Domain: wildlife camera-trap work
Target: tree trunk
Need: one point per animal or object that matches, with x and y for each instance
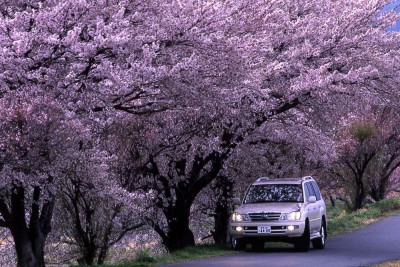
(223, 190)
(382, 189)
(29, 241)
(176, 208)
(23, 247)
(102, 254)
(221, 222)
(379, 192)
(333, 200)
(29, 253)
(179, 233)
(105, 243)
(357, 202)
(88, 250)
(38, 250)
(360, 194)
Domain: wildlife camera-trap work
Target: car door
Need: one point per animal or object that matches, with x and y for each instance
(311, 208)
(320, 204)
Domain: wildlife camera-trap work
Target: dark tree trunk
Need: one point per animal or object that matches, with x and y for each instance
(221, 222)
(358, 201)
(223, 189)
(38, 249)
(378, 192)
(177, 211)
(358, 169)
(88, 255)
(333, 201)
(360, 193)
(180, 237)
(382, 189)
(29, 241)
(102, 254)
(179, 233)
(86, 236)
(105, 242)
(82, 219)
(29, 252)
(23, 247)
(374, 193)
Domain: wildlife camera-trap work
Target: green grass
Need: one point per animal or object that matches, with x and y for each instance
(144, 257)
(340, 221)
(197, 252)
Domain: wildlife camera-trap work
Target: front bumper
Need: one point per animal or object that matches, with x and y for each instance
(278, 229)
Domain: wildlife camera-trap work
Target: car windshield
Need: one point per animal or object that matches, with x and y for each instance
(274, 193)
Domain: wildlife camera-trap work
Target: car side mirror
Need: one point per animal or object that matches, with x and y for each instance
(236, 201)
(312, 199)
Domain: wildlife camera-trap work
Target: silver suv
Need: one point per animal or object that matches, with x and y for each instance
(287, 210)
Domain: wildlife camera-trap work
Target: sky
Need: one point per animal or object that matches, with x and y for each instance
(395, 28)
(395, 5)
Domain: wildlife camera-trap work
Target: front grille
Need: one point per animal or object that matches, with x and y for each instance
(265, 216)
(254, 228)
(274, 229)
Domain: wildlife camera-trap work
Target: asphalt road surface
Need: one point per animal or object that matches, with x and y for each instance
(374, 244)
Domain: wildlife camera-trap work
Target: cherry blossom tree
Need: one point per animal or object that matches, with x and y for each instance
(130, 56)
(91, 193)
(216, 72)
(368, 154)
(34, 136)
(357, 154)
(288, 72)
(387, 160)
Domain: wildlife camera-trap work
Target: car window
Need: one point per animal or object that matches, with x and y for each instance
(306, 191)
(274, 193)
(316, 190)
(310, 190)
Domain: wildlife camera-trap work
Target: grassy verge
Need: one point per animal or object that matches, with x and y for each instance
(145, 258)
(341, 221)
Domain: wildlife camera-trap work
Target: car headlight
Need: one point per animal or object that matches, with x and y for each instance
(295, 215)
(237, 217)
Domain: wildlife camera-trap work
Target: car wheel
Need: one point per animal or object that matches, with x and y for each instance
(237, 243)
(319, 243)
(303, 243)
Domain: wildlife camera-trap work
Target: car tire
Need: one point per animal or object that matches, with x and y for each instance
(303, 243)
(237, 243)
(319, 243)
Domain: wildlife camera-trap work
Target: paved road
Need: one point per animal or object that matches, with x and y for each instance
(377, 243)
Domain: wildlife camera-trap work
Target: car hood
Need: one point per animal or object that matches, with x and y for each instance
(268, 207)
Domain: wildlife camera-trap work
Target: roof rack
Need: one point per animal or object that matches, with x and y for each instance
(262, 179)
(306, 178)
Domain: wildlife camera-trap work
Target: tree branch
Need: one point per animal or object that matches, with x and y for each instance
(4, 211)
(125, 231)
(34, 220)
(46, 216)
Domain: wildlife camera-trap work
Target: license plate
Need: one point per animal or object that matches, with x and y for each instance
(264, 229)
